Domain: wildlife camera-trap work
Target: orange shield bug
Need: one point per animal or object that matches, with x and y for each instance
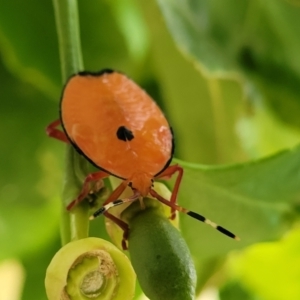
(116, 125)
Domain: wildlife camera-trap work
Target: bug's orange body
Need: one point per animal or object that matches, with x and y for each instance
(117, 126)
(112, 122)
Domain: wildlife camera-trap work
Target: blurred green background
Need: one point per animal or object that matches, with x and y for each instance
(227, 75)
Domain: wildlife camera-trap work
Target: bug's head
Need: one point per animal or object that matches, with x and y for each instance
(141, 182)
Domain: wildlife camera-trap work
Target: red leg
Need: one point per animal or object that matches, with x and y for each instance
(168, 173)
(122, 225)
(86, 187)
(52, 131)
(173, 206)
(114, 196)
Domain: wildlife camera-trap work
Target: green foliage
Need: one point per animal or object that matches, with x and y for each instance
(227, 76)
(266, 258)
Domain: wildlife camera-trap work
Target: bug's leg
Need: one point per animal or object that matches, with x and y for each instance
(86, 187)
(168, 173)
(111, 199)
(124, 226)
(112, 203)
(194, 215)
(54, 132)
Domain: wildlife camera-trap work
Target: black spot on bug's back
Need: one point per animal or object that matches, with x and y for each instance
(124, 134)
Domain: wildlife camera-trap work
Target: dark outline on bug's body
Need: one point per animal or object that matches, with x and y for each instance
(76, 147)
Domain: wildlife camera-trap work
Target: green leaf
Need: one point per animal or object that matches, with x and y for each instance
(215, 119)
(263, 133)
(257, 201)
(247, 39)
(190, 24)
(263, 259)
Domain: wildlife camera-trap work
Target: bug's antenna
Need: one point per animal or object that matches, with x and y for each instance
(194, 215)
(112, 204)
(209, 222)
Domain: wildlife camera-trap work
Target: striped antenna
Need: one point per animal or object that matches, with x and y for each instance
(112, 204)
(190, 213)
(194, 215)
(212, 224)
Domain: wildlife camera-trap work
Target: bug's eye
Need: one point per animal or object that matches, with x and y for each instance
(124, 134)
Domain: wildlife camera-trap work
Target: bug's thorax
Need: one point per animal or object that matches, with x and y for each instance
(141, 182)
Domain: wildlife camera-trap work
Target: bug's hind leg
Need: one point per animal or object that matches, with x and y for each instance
(56, 133)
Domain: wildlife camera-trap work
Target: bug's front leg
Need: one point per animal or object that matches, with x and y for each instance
(56, 133)
(86, 187)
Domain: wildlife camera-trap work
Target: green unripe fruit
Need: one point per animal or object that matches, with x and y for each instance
(160, 256)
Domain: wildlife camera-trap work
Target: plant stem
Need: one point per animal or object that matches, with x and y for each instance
(67, 24)
(74, 224)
